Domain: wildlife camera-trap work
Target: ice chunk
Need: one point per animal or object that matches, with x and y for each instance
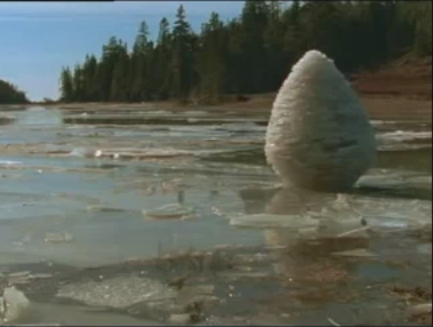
(170, 211)
(355, 253)
(301, 225)
(319, 135)
(295, 222)
(420, 309)
(425, 249)
(394, 222)
(59, 237)
(181, 318)
(9, 163)
(117, 292)
(80, 152)
(14, 306)
(403, 136)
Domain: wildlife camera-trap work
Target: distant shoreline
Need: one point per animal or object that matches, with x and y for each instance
(402, 89)
(399, 92)
(377, 107)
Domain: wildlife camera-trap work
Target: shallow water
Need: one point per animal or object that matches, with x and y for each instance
(81, 188)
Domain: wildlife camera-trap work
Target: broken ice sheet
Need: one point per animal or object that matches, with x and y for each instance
(355, 253)
(425, 249)
(14, 306)
(99, 208)
(59, 237)
(314, 214)
(402, 136)
(395, 179)
(9, 163)
(295, 222)
(81, 152)
(301, 226)
(385, 222)
(425, 308)
(117, 292)
(169, 211)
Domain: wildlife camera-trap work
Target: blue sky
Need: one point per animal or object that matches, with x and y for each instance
(38, 38)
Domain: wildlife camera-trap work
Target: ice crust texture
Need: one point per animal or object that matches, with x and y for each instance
(319, 136)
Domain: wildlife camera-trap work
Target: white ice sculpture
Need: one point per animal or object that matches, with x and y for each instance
(319, 136)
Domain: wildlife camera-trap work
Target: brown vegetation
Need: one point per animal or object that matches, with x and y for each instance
(407, 77)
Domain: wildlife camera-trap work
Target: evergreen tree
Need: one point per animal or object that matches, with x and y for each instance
(66, 85)
(249, 54)
(160, 59)
(276, 57)
(119, 90)
(106, 68)
(182, 57)
(138, 65)
(293, 43)
(89, 75)
(10, 94)
(422, 13)
(78, 82)
(210, 61)
(254, 22)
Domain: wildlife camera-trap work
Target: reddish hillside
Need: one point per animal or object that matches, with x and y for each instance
(407, 77)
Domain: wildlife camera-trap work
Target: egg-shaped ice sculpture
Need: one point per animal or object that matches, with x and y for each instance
(319, 136)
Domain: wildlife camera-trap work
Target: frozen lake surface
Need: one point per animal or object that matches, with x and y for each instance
(94, 189)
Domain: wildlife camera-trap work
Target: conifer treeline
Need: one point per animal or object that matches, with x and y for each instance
(250, 54)
(10, 94)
